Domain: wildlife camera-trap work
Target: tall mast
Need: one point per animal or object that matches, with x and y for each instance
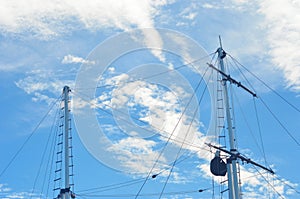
(231, 161)
(66, 191)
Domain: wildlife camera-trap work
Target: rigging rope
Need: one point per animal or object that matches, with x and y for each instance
(248, 125)
(269, 87)
(49, 162)
(29, 137)
(130, 182)
(280, 123)
(169, 138)
(284, 182)
(188, 130)
(260, 133)
(145, 194)
(274, 189)
(43, 157)
(262, 149)
(236, 65)
(111, 187)
(157, 74)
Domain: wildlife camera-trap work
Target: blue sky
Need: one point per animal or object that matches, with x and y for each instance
(46, 45)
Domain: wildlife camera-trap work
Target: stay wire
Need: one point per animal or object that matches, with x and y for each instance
(265, 84)
(283, 181)
(178, 161)
(255, 108)
(262, 149)
(29, 137)
(241, 72)
(248, 125)
(260, 132)
(43, 157)
(280, 123)
(274, 189)
(166, 143)
(131, 182)
(188, 130)
(126, 183)
(158, 74)
(110, 187)
(144, 195)
(49, 162)
(52, 160)
(231, 92)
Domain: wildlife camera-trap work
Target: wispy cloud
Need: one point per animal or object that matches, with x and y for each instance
(70, 59)
(51, 18)
(268, 31)
(283, 33)
(7, 193)
(4, 188)
(159, 109)
(136, 155)
(44, 85)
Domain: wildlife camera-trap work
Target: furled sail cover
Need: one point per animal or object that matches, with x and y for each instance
(218, 166)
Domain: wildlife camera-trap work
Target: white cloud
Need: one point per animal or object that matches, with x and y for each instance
(4, 188)
(70, 59)
(272, 36)
(48, 19)
(283, 33)
(51, 17)
(161, 109)
(208, 6)
(8, 193)
(137, 155)
(152, 38)
(43, 85)
(189, 12)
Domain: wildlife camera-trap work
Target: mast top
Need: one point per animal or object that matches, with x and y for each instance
(221, 52)
(66, 88)
(220, 41)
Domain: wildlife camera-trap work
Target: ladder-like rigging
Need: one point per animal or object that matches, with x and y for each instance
(64, 161)
(231, 162)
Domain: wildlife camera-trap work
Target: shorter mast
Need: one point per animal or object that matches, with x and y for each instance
(66, 105)
(65, 193)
